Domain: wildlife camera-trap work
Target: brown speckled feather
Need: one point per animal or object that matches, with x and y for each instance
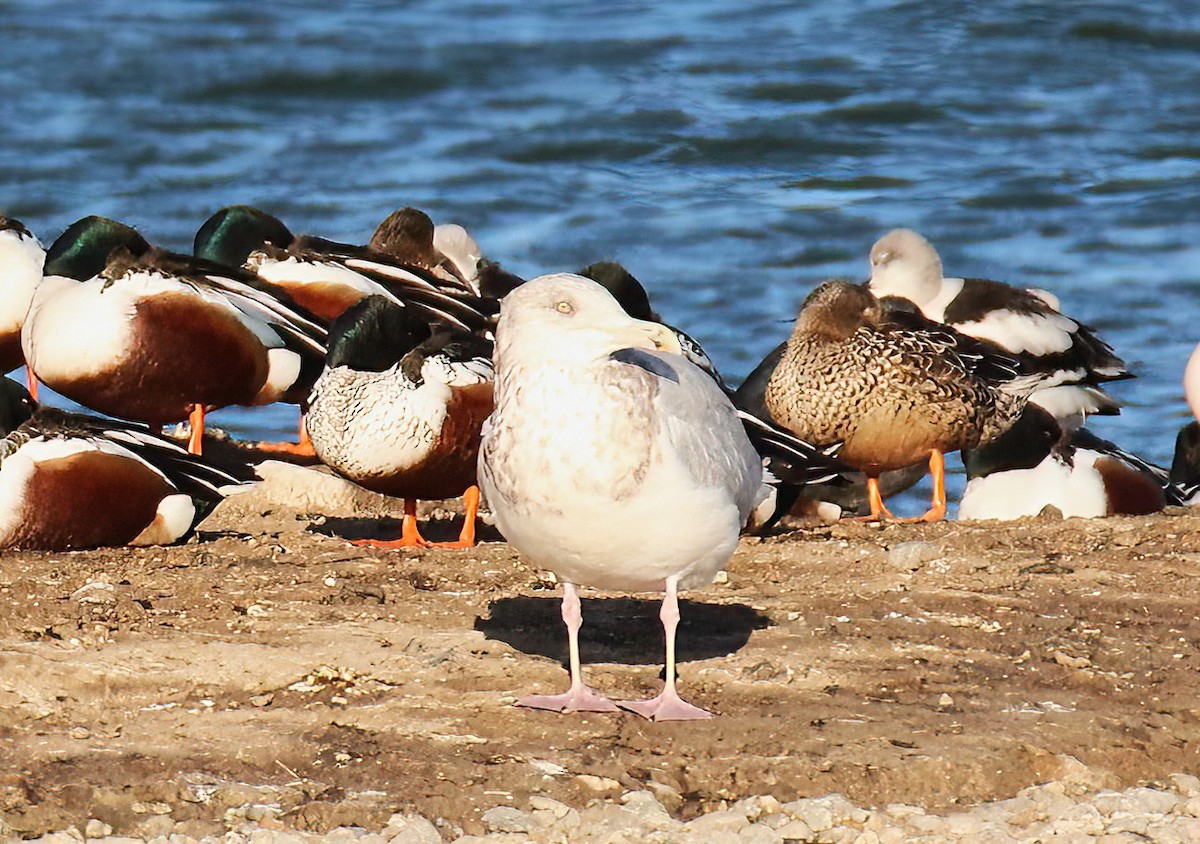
(890, 389)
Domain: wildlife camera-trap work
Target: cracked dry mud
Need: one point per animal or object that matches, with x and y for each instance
(269, 661)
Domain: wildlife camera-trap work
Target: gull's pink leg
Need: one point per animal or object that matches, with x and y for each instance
(668, 706)
(578, 698)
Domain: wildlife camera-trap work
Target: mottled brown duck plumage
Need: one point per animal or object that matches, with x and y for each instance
(893, 387)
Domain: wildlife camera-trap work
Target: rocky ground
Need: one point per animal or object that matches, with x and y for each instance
(270, 679)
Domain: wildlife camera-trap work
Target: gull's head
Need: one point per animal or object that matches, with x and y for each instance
(905, 264)
(571, 319)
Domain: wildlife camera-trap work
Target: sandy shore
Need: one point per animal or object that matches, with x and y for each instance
(269, 663)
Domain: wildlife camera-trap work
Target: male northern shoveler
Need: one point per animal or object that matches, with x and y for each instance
(140, 333)
(891, 386)
(794, 465)
(1025, 323)
(21, 261)
(591, 447)
(327, 277)
(69, 481)
(1037, 464)
(1185, 465)
(399, 409)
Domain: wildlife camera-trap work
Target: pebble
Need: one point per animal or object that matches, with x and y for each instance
(910, 556)
(1055, 811)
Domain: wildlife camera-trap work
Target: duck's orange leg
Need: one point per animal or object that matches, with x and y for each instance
(302, 448)
(196, 423)
(879, 512)
(937, 468)
(466, 539)
(31, 382)
(410, 537)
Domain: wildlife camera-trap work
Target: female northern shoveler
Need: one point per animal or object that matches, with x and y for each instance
(140, 333)
(1037, 464)
(69, 481)
(591, 447)
(399, 409)
(892, 387)
(1025, 323)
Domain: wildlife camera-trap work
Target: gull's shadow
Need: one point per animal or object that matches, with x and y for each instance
(623, 630)
(386, 527)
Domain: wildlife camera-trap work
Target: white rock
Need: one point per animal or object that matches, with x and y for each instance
(1186, 784)
(95, 828)
(795, 831)
(411, 829)
(910, 556)
(756, 834)
(757, 807)
(508, 819)
(646, 806)
(596, 783)
(714, 822)
(817, 816)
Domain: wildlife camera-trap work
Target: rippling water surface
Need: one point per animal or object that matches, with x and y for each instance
(731, 154)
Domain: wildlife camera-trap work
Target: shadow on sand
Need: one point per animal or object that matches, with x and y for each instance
(622, 630)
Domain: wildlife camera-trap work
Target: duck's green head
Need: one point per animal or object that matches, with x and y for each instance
(374, 334)
(83, 249)
(230, 235)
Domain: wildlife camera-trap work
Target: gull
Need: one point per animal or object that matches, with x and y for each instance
(612, 461)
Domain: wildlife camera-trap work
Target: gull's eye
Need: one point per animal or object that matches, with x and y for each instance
(564, 307)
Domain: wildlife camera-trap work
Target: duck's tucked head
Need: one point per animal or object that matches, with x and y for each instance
(1027, 443)
(374, 334)
(8, 224)
(905, 264)
(835, 310)
(16, 406)
(81, 252)
(573, 320)
(230, 235)
(407, 236)
(626, 289)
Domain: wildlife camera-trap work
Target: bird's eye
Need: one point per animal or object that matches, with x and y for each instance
(564, 307)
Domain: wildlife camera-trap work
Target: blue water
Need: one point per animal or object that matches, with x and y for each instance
(731, 154)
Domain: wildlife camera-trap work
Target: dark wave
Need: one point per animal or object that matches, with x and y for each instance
(1183, 39)
(342, 84)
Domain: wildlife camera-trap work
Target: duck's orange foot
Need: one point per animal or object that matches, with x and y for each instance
(301, 449)
(458, 543)
(576, 699)
(402, 542)
(668, 706)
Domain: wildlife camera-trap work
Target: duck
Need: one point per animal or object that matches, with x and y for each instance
(326, 277)
(892, 387)
(136, 332)
(1185, 464)
(399, 408)
(590, 445)
(848, 492)
(795, 467)
(1025, 323)
(22, 257)
(1037, 463)
(70, 481)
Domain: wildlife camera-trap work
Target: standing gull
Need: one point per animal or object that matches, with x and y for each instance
(612, 461)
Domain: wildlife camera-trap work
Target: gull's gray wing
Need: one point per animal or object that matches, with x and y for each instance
(694, 420)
